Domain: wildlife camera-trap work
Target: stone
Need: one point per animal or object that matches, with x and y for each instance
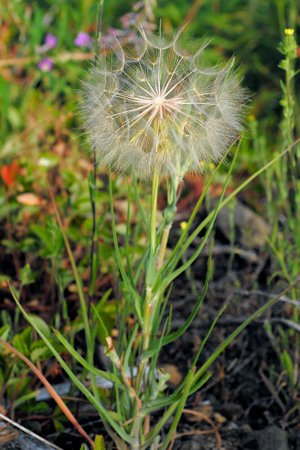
(270, 438)
(252, 231)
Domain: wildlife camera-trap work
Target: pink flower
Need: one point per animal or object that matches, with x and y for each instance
(45, 65)
(50, 41)
(83, 39)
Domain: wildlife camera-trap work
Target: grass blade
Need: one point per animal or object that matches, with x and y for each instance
(105, 414)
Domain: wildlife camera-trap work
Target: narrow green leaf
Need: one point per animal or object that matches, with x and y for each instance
(179, 409)
(287, 364)
(207, 336)
(176, 334)
(105, 414)
(4, 331)
(139, 204)
(103, 330)
(192, 217)
(137, 303)
(180, 248)
(128, 351)
(127, 236)
(115, 237)
(82, 300)
(41, 324)
(173, 274)
(159, 425)
(239, 329)
(101, 373)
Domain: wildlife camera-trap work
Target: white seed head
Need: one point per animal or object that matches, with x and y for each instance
(152, 107)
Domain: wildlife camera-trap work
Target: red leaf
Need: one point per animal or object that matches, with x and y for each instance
(9, 172)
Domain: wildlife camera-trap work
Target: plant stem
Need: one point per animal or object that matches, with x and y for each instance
(155, 184)
(185, 393)
(151, 271)
(93, 184)
(99, 29)
(163, 246)
(149, 303)
(93, 258)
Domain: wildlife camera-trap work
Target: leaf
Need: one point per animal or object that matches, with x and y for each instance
(29, 199)
(104, 413)
(185, 393)
(103, 332)
(176, 334)
(40, 353)
(10, 172)
(4, 332)
(287, 363)
(99, 443)
(42, 233)
(27, 275)
(106, 375)
(22, 341)
(39, 324)
(220, 349)
(25, 398)
(51, 238)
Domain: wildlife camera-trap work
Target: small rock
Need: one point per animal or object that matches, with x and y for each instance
(270, 438)
(252, 229)
(175, 376)
(245, 428)
(231, 411)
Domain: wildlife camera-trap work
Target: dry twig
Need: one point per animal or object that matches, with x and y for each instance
(199, 432)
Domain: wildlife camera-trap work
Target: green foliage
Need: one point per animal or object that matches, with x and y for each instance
(17, 385)
(283, 192)
(27, 276)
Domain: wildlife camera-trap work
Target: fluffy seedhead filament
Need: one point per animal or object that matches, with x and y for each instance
(152, 106)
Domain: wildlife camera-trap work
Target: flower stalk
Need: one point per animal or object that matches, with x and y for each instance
(155, 112)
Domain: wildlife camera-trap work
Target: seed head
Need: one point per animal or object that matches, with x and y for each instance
(152, 106)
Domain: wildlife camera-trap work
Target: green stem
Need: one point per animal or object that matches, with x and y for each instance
(147, 318)
(155, 184)
(149, 303)
(99, 29)
(93, 185)
(151, 271)
(163, 247)
(169, 214)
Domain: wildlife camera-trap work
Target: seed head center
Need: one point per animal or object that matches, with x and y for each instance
(159, 100)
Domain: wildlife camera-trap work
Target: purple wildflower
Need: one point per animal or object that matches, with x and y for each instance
(128, 20)
(83, 39)
(45, 65)
(50, 41)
